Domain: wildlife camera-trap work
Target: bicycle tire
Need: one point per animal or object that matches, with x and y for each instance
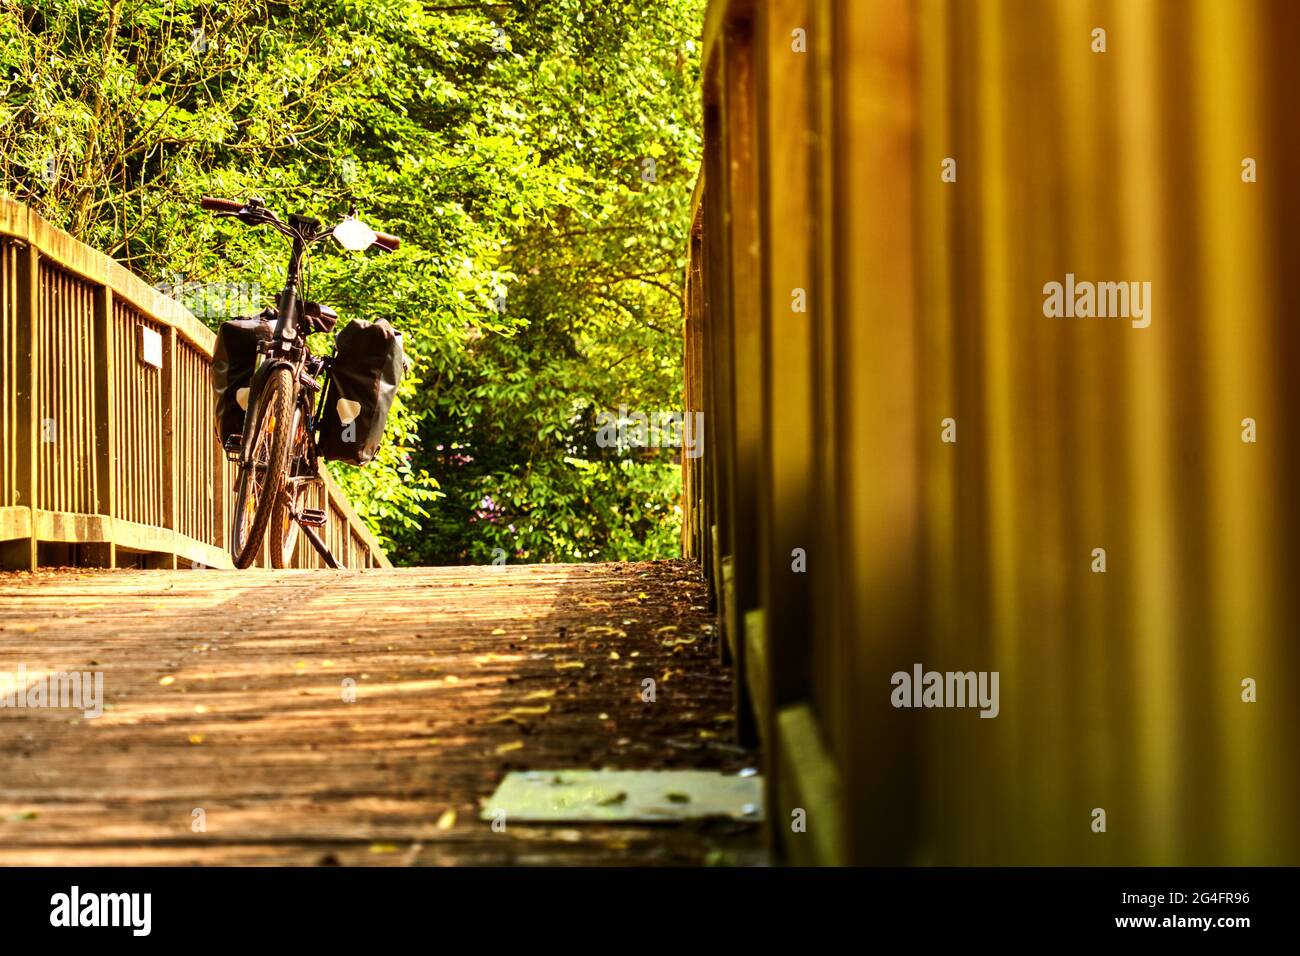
(283, 529)
(276, 401)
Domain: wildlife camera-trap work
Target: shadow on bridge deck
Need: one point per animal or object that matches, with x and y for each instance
(223, 695)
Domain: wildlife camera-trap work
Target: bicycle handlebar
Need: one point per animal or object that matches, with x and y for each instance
(213, 204)
(384, 240)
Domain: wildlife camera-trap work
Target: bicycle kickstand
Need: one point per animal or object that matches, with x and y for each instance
(308, 519)
(319, 545)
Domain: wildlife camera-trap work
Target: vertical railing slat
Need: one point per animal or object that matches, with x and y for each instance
(105, 417)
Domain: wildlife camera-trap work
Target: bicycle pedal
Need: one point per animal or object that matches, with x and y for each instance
(312, 517)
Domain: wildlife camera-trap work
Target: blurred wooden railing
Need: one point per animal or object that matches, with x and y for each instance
(107, 450)
(909, 461)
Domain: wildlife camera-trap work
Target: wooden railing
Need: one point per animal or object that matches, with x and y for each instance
(913, 459)
(108, 455)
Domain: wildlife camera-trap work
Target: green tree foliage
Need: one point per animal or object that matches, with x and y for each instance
(535, 156)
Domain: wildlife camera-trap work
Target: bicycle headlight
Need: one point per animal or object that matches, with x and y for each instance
(354, 235)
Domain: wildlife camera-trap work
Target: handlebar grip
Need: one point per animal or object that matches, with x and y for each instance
(386, 241)
(220, 205)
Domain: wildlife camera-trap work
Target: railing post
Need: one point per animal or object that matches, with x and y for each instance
(170, 458)
(28, 452)
(105, 420)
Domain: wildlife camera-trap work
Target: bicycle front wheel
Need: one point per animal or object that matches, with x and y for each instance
(283, 532)
(261, 480)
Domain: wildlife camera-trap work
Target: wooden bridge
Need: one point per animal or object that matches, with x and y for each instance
(911, 465)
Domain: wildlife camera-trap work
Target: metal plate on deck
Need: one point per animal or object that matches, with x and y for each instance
(643, 796)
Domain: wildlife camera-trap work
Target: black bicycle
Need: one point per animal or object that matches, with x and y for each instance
(276, 453)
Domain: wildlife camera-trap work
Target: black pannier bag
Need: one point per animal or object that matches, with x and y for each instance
(366, 370)
(233, 363)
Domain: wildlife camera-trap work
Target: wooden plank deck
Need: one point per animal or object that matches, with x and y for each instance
(224, 694)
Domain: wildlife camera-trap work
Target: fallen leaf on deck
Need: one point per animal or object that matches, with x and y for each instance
(167, 681)
(490, 658)
(508, 748)
(383, 848)
(514, 713)
(447, 820)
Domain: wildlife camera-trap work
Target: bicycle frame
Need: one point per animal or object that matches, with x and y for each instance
(287, 348)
